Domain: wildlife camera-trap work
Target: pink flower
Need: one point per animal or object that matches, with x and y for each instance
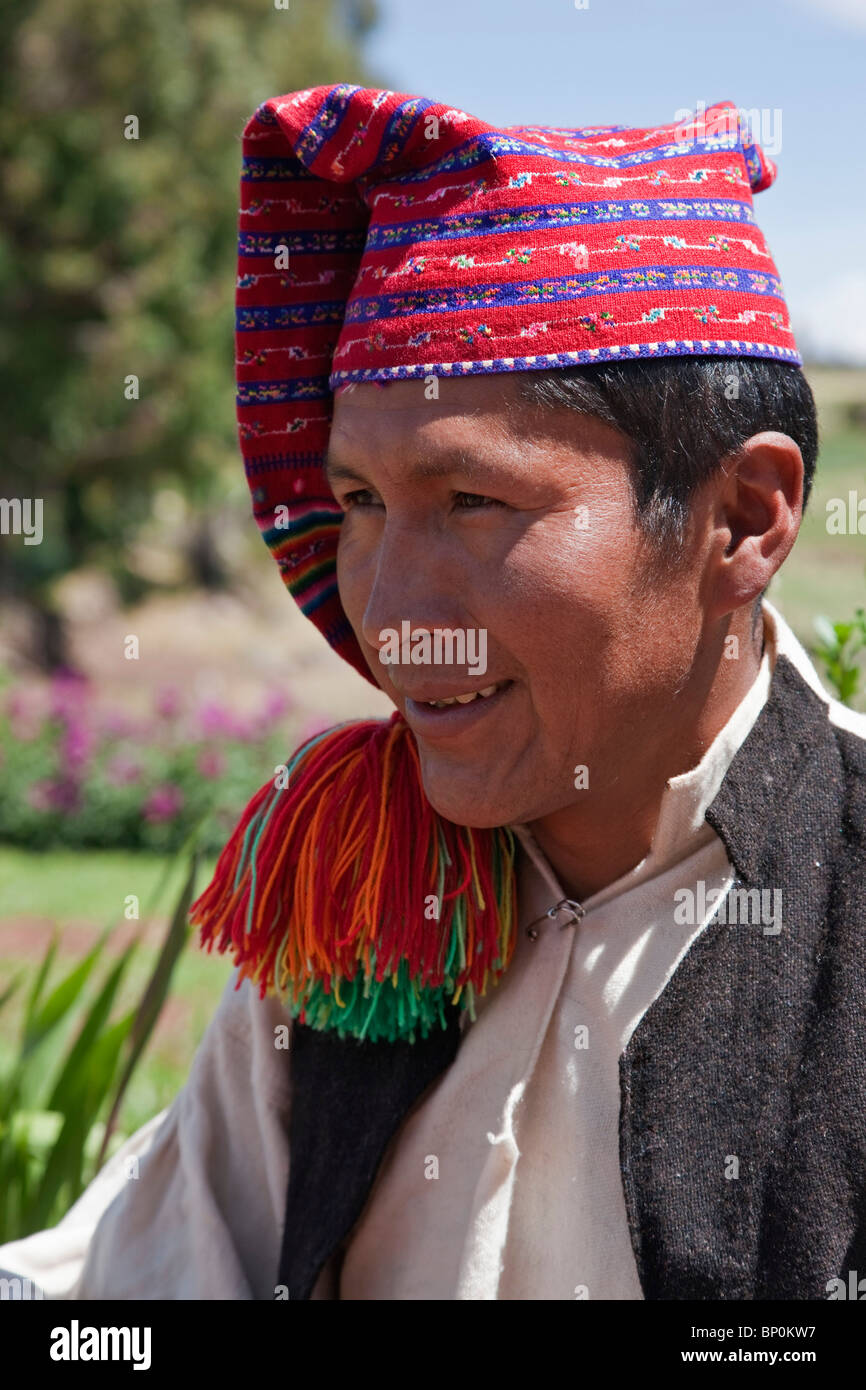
(68, 690)
(117, 722)
(167, 702)
(123, 769)
(163, 803)
(210, 762)
(276, 705)
(76, 744)
(215, 719)
(53, 795)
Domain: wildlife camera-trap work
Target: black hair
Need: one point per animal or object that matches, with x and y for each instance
(683, 416)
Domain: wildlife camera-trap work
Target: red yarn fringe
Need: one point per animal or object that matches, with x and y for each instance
(334, 872)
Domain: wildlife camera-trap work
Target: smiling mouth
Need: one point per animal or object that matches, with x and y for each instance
(451, 716)
(467, 699)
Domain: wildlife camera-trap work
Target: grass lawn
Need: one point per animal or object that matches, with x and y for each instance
(826, 574)
(82, 892)
(79, 885)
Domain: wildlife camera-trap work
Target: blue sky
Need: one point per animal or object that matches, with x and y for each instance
(639, 62)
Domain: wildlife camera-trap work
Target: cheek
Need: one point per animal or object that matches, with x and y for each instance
(597, 643)
(356, 563)
(567, 590)
(554, 596)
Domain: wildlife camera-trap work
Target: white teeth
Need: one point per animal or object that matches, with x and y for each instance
(463, 699)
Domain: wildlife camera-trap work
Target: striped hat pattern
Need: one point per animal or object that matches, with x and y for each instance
(384, 236)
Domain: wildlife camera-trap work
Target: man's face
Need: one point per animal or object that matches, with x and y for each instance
(478, 511)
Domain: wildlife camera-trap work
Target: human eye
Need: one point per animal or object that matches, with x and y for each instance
(361, 497)
(477, 501)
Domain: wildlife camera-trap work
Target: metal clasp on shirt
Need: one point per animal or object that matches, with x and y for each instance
(575, 910)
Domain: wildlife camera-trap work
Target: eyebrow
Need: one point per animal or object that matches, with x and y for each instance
(467, 464)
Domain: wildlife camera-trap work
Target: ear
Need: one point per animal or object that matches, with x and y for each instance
(757, 514)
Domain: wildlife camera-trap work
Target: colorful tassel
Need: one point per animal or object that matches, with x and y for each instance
(328, 891)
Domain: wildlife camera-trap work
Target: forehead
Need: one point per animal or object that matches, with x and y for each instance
(484, 412)
(399, 419)
(413, 400)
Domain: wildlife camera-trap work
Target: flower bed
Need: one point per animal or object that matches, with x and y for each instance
(75, 773)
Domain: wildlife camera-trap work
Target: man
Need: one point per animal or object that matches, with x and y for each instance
(567, 953)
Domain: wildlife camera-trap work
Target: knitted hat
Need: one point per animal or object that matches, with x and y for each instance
(384, 236)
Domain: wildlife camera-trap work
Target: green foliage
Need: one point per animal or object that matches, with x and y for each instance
(117, 255)
(839, 649)
(53, 1134)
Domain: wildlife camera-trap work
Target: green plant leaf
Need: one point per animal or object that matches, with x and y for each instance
(60, 1001)
(154, 996)
(36, 1131)
(39, 982)
(72, 1081)
(65, 1167)
(11, 989)
(825, 631)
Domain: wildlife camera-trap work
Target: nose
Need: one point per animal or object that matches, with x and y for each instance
(412, 582)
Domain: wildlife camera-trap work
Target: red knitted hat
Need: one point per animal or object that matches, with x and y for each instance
(386, 236)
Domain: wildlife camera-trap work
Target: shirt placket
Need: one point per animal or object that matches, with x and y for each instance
(546, 945)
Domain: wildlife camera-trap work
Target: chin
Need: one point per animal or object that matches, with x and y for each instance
(470, 805)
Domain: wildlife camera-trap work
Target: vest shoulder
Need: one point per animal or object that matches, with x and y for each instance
(850, 726)
(851, 742)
